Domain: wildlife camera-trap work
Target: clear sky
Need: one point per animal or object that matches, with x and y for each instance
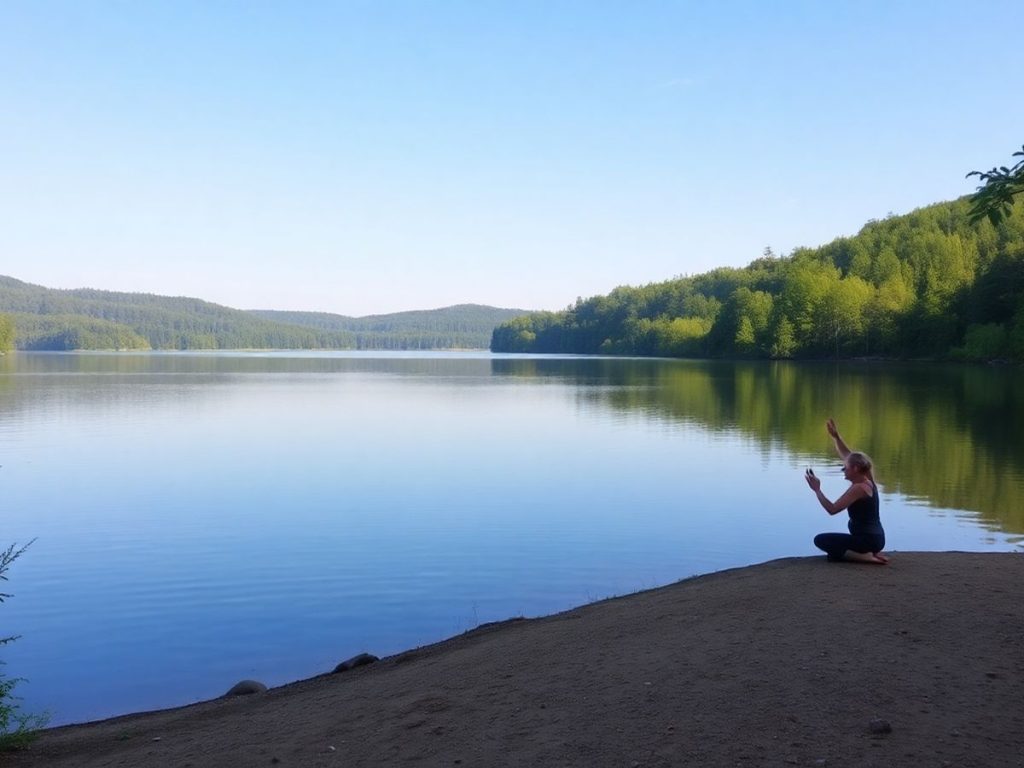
(377, 156)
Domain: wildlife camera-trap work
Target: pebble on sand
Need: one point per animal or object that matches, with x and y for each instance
(245, 687)
(356, 661)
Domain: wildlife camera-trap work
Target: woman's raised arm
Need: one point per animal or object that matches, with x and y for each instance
(841, 447)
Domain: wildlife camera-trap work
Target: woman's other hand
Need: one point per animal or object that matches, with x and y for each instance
(812, 480)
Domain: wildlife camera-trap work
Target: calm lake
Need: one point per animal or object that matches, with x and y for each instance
(203, 518)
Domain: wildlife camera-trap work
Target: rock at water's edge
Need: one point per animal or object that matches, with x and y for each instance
(245, 687)
(356, 661)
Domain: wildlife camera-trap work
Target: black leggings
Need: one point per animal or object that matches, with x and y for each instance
(835, 544)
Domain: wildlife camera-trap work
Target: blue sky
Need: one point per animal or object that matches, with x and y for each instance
(366, 157)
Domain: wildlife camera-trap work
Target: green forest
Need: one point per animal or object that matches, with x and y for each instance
(464, 326)
(935, 283)
(36, 318)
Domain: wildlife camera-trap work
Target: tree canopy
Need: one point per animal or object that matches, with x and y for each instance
(934, 283)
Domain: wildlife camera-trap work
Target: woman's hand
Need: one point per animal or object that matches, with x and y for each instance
(812, 480)
(830, 425)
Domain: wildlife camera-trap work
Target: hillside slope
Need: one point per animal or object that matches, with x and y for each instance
(86, 318)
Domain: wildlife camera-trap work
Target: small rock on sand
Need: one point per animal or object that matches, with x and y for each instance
(245, 687)
(356, 661)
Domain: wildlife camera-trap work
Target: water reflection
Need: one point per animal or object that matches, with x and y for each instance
(207, 363)
(948, 435)
(945, 434)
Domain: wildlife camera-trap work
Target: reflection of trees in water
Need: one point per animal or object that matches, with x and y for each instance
(199, 363)
(34, 381)
(947, 434)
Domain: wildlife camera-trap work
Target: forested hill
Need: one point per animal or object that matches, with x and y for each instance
(927, 284)
(52, 319)
(464, 326)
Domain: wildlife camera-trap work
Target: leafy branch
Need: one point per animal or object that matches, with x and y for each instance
(7, 557)
(16, 728)
(995, 197)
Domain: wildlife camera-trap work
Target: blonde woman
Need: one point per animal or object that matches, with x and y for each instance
(866, 539)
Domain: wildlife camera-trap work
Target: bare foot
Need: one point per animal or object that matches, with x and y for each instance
(865, 557)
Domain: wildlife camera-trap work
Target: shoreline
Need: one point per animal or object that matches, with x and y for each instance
(792, 661)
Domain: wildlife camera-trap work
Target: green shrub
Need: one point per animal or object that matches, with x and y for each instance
(984, 342)
(17, 728)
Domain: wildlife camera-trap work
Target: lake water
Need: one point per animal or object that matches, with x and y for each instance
(204, 518)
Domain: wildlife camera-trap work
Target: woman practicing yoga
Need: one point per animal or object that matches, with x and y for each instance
(866, 539)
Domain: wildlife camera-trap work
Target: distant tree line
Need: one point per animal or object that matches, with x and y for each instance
(39, 318)
(50, 319)
(69, 332)
(932, 283)
(463, 326)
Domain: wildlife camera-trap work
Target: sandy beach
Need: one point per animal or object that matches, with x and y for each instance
(791, 662)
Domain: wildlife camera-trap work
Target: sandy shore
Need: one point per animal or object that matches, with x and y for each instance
(785, 663)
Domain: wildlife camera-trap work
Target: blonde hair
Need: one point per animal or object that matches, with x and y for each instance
(862, 461)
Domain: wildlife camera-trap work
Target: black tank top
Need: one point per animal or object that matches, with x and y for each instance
(864, 518)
